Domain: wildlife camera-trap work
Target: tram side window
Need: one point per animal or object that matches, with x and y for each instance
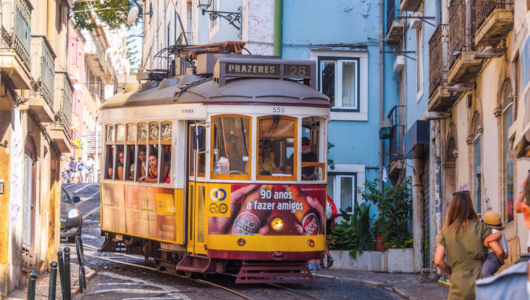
(312, 166)
(140, 167)
(120, 163)
(129, 163)
(231, 145)
(197, 151)
(109, 162)
(276, 135)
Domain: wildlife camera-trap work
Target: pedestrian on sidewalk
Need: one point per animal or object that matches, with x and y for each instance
(461, 243)
(331, 215)
(492, 264)
(81, 170)
(514, 282)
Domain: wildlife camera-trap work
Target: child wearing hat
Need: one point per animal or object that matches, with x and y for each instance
(493, 263)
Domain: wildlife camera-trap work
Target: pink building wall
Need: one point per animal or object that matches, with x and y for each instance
(76, 70)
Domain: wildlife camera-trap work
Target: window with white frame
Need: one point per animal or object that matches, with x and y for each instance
(339, 80)
(215, 23)
(419, 60)
(342, 189)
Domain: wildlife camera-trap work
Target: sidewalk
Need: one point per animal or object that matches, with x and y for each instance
(404, 285)
(43, 285)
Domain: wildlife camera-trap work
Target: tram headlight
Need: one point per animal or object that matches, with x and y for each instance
(276, 224)
(73, 213)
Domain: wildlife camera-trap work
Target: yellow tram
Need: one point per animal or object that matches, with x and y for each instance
(219, 165)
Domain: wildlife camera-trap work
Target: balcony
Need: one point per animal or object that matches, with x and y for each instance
(15, 43)
(494, 20)
(397, 131)
(42, 86)
(66, 108)
(439, 97)
(410, 5)
(395, 27)
(462, 63)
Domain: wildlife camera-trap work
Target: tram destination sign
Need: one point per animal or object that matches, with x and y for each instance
(226, 68)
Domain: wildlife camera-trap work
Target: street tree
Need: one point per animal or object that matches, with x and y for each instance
(112, 13)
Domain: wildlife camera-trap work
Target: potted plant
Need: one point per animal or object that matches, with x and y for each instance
(395, 210)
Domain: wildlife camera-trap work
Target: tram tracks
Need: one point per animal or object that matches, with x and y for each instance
(120, 255)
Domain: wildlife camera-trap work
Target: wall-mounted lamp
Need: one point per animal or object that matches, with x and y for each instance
(203, 3)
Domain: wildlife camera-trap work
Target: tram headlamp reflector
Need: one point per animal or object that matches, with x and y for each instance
(311, 243)
(241, 242)
(277, 224)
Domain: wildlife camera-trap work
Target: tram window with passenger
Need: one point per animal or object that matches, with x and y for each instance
(109, 162)
(231, 147)
(276, 134)
(130, 154)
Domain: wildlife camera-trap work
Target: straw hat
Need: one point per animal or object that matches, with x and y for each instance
(493, 219)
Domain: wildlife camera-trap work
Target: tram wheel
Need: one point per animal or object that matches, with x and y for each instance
(190, 274)
(158, 265)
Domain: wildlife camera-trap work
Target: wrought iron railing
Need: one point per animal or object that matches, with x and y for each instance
(436, 67)
(461, 35)
(22, 31)
(395, 151)
(485, 7)
(66, 110)
(43, 73)
(47, 73)
(392, 11)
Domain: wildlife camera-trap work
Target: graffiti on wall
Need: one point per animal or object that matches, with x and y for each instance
(15, 182)
(463, 187)
(485, 200)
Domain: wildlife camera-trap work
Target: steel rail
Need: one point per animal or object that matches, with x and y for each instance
(177, 275)
(276, 285)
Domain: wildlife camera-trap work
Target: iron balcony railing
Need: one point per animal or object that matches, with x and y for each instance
(22, 31)
(66, 109)
(485, 7)
(392, 11)
(46, 75)
(395, 117)
(461, 34)
(436, 67)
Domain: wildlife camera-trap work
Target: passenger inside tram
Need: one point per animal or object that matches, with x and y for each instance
(153, 173)
(110, 162)
(276, 140)
(308, 173)
(143, 169)
(121, 159)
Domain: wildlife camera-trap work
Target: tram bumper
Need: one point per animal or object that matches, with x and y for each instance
(263, 256)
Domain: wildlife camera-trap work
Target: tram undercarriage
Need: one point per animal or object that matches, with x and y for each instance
(172, 258)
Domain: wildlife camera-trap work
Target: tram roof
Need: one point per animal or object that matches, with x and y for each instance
(244, 91)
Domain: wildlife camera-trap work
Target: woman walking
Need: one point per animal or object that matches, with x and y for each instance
(461, 242)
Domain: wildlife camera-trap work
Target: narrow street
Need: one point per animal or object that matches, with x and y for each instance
(118, 281)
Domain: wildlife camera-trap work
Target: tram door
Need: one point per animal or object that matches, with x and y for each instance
(197, 219)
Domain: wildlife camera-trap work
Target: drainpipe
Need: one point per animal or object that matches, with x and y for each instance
(278, 29)
(381, 89)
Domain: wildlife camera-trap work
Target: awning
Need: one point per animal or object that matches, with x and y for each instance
(418, 134)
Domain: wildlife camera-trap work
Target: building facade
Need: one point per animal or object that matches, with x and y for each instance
(348, 59)
(462, 82)
(35, 125)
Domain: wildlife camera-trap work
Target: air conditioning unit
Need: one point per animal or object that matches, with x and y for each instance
(399, 63)
(415, 23)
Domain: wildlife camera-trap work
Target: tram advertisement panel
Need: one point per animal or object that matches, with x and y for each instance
(266, 209)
